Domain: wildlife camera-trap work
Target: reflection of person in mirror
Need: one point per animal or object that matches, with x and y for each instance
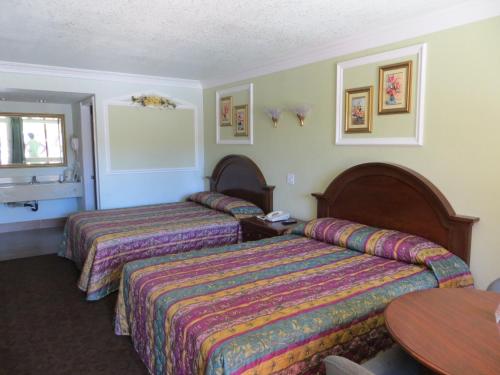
(34, 147)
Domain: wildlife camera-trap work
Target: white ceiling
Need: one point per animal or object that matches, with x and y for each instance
(195, 39)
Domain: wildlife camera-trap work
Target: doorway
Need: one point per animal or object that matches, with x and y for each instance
(89, 171)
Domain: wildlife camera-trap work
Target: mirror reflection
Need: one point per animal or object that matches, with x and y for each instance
(31, 140)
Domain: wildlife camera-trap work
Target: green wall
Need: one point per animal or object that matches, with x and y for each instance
(461, 152)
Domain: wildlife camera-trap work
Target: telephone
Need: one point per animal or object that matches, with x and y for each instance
(276, 216)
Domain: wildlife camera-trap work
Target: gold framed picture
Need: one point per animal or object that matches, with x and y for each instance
(358, 110)
(394, 88)
(226, 111)
(241, 120)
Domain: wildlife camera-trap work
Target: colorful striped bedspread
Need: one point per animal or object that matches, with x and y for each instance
(275, 306)
(101, 242)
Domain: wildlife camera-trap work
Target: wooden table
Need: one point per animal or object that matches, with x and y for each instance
(450, 331)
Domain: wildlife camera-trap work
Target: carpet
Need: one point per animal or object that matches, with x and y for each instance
(47, 327)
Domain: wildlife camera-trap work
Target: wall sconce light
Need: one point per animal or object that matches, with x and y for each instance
(274, 114)
(301, 112)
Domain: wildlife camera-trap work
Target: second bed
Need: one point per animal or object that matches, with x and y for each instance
(280, 305)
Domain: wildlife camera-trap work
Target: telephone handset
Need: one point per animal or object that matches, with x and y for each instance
(276, 216)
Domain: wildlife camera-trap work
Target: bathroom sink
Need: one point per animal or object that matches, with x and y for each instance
(42, 190)
(14, 184)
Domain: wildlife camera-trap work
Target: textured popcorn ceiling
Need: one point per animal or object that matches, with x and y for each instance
(186, 38)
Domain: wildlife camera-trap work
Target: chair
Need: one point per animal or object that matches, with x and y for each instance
(342, 366)
(393, 361)
(494, 286)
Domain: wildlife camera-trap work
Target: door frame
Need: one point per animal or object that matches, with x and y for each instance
(90, 102)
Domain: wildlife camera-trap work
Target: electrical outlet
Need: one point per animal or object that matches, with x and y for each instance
(290, 179)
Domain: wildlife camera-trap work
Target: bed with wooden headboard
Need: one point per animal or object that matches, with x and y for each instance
(395, 197)
(238, 176)
(101, 242)
(280, 305)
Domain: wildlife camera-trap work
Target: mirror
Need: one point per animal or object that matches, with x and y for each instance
(32, 140)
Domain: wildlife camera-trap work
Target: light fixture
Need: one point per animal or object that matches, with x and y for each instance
(42, 100)
(274, 114)
(301, 112)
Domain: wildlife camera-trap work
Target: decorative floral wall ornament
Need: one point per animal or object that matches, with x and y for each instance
(154, 101)
(274, 114)
(301, 112)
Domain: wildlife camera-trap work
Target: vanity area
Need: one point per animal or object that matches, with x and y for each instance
(16, 192)
(32, 141)
(42, 175)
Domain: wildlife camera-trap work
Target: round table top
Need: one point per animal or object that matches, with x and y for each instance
(450, 331)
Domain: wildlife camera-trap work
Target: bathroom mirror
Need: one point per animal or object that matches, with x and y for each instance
(32, 140)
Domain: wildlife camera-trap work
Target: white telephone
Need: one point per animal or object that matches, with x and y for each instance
(276, 216)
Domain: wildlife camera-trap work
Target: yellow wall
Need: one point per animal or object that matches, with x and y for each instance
(461, 152)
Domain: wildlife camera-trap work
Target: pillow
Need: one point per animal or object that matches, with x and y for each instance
(239, 208)
(450, 270)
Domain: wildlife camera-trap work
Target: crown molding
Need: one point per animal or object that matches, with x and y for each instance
(97, 75)
(461, 14)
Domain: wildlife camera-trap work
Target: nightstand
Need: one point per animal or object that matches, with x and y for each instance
(255, 229)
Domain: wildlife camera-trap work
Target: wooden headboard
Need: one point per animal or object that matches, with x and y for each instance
(238, 176)
(394, 197)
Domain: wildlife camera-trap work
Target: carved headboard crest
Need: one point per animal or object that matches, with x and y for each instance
(238, 176)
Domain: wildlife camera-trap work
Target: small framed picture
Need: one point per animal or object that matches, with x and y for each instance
(241, 120)
(226, 111)
(358, 110)
(394, 88)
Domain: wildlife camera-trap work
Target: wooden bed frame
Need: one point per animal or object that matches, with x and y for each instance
(238, 176)
(394, 197)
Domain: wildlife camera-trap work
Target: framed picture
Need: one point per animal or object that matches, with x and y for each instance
(226, 111)
(241, 120)
(242, 94)
(394, 88)
(411, 133)
(358, 110)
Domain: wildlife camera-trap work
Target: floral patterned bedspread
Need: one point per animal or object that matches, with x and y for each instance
(101, 242)
(274, 306)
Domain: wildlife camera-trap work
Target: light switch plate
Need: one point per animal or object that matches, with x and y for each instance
(290, 179)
